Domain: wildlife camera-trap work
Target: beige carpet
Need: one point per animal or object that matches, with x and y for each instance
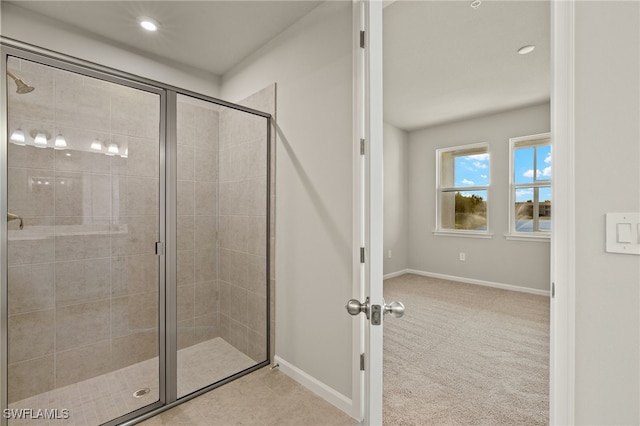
(465, 355)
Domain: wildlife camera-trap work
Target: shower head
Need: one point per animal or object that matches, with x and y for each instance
(22, 87)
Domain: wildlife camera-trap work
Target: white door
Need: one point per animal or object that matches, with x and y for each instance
(371, 302)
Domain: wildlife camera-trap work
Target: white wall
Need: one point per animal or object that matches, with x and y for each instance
(498, 260)
(607, 180)
(29, 27)
(311, 62)
(396, 199)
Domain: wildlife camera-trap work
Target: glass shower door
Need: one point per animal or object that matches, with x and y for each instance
(222, 235)
(83, 197)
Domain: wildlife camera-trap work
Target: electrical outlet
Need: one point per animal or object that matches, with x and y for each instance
(463, 256)
(389, 255)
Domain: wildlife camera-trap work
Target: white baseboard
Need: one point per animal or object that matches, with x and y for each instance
(479, 282)
(314, 385)
(395, 274)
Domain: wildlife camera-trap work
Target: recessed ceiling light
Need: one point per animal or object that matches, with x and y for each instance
(526, 49)
(148, 23)
(476, 4)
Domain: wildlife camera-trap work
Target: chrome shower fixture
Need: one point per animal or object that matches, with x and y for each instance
(22, 87)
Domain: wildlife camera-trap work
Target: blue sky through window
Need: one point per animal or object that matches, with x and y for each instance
(472, 170)
(524, 173)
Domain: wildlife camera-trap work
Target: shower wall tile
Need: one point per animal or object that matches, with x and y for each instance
(82, 281)
(186, 193)
(238, 335)
(186, 232)
(88, 242)
(206, 327)
(185, 267)
(31, 335)
(207, 124)
(206, 165)
(134, 113)
(83, 363)
(186, 333)
(186, 302)
(80, 161)
(82, 324)
(186, 120)
(225, 264)
(257, 236)
(82, 106)
(134, 235)
(134, 274)
(205, 264)
(257, 312)
(134, 314)
(30, 377)
(31, 288)
(238, 304)
(225, 298)
(238, 269)
(81, 194)
(233, 232)
(142, 196)
(29, 194)
(138, 151)
(256, 346)
(256, 158)
(29, 157)
(134, 348)
(257, 197)
(186, 162)
(206, 297)
(39, 247)
(205, 198)
(256, 274)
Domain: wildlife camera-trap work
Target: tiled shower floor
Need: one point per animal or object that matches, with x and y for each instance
(100, 399)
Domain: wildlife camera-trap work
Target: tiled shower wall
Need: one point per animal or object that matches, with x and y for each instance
(82, 288)
(243, 226)
(83, 274)
(197, 269)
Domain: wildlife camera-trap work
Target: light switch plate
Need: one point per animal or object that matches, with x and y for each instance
(621, 227)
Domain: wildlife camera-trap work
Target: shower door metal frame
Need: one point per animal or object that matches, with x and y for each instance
(167, 312)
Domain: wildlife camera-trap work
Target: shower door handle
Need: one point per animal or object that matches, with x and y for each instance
(11, 216)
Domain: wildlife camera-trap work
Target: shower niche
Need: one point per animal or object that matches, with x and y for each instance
(140, 274)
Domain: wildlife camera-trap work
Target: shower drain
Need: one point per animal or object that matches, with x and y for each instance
(141, 392)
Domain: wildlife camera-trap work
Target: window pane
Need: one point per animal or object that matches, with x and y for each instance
(471, 170)
(465, 210)
(543, 158)
(523, 165)
(533, 209)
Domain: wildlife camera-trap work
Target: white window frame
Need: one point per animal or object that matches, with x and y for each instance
(471, 149)
(519, 142)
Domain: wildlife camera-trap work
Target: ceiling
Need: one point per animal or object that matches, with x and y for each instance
(445, 61)
(209, 35)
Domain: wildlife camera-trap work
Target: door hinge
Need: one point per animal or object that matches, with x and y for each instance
(361, 254)
(553, 290)
(159, 248)
(362, 39)
(361, 146)
(361, 362)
